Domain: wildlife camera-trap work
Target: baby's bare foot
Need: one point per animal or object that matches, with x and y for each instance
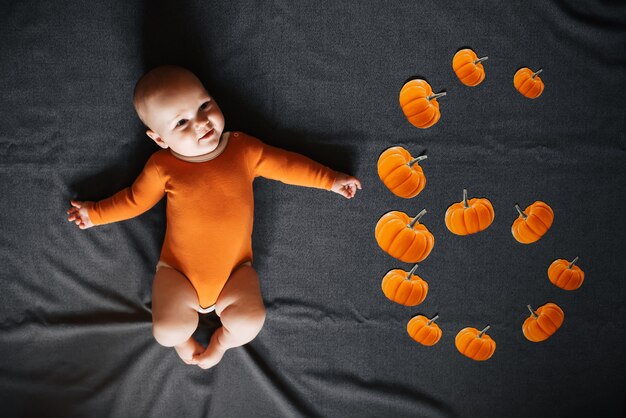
(213, 353)
(188, 349)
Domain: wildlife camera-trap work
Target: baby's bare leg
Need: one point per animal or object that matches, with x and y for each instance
(174, 314)
(241, 310)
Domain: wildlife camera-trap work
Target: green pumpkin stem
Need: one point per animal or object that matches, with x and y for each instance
(532, 312)
(434, 96)
(535, 74)
(408, 276)
(465, 205)
(522, 214)
(434, 318)
(416, 160)
(572, 263)
(483, 331)
(480, 59)
(417, 218)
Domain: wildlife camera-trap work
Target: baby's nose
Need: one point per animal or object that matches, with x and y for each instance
(201, 123)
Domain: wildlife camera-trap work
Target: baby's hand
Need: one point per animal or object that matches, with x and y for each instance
(79, 214)
(346, 185)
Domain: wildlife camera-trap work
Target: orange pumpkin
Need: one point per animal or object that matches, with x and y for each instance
(566, 275)
(474, 344)
(532, 223)
(543, 323)
(419, 104)
(468, 67)
(403, 238)
(424, 330)
(401, 173)
(405, 288)
(529, 84)
(469, 217)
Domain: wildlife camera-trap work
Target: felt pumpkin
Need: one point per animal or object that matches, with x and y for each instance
(532, 223)
(404, 238)
(401, 173)
(543, 323)
(468, 68)
(475, 344)
(566, 275)
(405, 288)
(424, 330)
(419, 104)
(529, 84)
(469, 216)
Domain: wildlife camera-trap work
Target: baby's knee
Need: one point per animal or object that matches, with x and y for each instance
(170, 333)
(246, 324)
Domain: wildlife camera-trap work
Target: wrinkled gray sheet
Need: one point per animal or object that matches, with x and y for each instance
(321, 78)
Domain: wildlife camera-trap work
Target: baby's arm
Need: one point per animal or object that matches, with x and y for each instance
(132, 201)
(293, 168)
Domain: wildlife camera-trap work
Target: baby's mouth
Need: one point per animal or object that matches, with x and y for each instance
(207, 135)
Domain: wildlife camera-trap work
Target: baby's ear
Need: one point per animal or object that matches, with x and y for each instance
(156, 138)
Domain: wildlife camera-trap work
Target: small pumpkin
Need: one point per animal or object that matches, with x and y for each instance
(468, 68)
(532, 223)
(543, 323)
(419, 103)
(404, 238)
(566, 275)
(475, 344)
(401, 173)
(528, 83)
(424, 330)
(405, 288)
(469, 216)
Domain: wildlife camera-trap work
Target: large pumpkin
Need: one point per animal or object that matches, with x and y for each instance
(469, 216)
(529, 84)
(424, 330)
(405, 288)
(468, 68)
(543, 323)
(475, 344)
(532, 223)
(404, 238)
(419, 104)
(401, 173)
(566, 275)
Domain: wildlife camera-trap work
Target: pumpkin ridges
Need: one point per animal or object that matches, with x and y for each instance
(471, 220)
(394, 178)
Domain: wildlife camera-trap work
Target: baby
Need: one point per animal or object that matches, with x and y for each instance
(206, 259)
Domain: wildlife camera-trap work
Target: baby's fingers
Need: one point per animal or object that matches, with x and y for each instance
(76, 203)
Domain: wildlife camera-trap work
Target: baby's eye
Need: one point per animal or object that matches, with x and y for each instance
(181, 122)
(204, 105)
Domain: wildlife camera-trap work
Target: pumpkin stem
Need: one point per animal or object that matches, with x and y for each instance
(434, 96)
(416, 160)
(572, 263)
(522, 214)
(408, 276)
(465, 205)
(417, 218)
(532, 312)
(483, 331)
(433, 319)
(480, 59)
(535, 74)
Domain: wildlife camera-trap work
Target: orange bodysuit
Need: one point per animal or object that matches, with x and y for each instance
(209, 205)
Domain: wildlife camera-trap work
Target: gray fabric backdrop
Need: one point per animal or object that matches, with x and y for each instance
(321, 78)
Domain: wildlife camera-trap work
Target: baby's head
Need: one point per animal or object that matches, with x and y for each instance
(178, 111)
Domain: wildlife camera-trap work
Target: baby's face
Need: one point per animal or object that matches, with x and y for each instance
(182, 116)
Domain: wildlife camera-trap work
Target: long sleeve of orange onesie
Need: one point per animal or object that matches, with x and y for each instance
(132, 201)
(286, 166)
